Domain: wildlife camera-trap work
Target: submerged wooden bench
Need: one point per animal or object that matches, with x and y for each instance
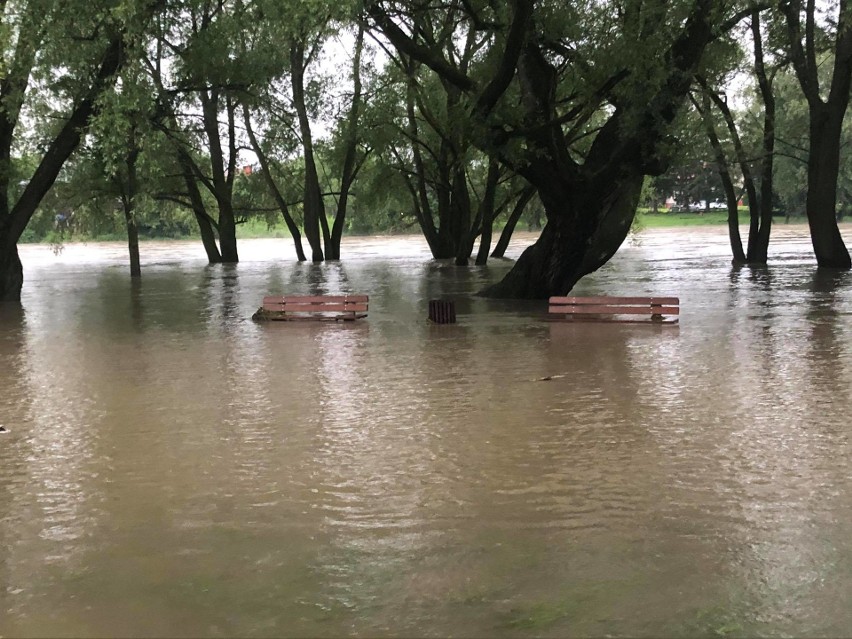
(616, 309)
(316, 307)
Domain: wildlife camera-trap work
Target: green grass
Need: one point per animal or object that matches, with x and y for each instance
(646, 220)
(255, 228)
(658, 220)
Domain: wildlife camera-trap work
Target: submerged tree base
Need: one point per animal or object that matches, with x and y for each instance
(11, 275)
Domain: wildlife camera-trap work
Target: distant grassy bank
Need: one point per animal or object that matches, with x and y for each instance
(258, 229)
(646, 219)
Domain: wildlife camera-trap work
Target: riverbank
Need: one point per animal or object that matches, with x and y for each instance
(712, 218)
(258, 229)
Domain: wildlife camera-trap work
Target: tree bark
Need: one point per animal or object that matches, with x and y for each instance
(129, 202)
(582, 233)
(739, 256)
(826, 122)
(759, 251)
(314, 211)
(518, 210)
(350, 168)
(419, 193)
(11, 270)
(821, 202)
(222, 170)
(205, 222)
(486, 208)
(756, 252)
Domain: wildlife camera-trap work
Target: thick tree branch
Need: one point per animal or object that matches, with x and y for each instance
(515, 41)
(404, 43)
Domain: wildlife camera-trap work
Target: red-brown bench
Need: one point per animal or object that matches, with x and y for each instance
(315, 307)
(663, 310)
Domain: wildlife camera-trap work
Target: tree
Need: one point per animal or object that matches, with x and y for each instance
(757, 176)
(209, 60)
(198, 71)
(281, 115)
(422, 133)
(630, 63)
(81, 46)
(826, 116)
(349, 139)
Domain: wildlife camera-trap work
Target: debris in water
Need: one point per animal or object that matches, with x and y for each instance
(550, 377)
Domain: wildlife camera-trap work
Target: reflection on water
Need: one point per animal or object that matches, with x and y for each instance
(174, 469)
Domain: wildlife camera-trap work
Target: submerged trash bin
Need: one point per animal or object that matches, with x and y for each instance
(442, 311)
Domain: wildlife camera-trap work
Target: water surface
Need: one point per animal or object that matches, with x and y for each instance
(174, 469)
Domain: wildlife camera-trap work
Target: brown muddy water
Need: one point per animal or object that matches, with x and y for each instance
(174, 469)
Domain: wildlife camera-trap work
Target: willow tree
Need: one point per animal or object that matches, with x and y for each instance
(455, 189)
(550, 69)
(200, 73)
(58, 59)
(756, 167)
(307, 91)
(827, 106)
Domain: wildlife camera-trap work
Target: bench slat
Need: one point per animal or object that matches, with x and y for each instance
(614, 300)
(314, 299)
(615, 310)
(316, 317)
(315, 308)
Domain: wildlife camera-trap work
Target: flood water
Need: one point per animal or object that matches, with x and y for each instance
(174, 469)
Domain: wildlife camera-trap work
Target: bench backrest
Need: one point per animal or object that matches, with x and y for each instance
(316, 303)
(614, 305)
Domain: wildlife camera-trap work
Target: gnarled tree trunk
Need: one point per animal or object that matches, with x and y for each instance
(581, 234)
(826, 122)
(11, 270)
(312, 202)
(821, 203)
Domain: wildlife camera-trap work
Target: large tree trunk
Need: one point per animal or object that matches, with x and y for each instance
(823, 169)
(419, 191)
(350, 167)
(11, 270)
(223, 171)
(128, 200)
(444, 196)
(758, 234)
(132, 240)
(314, 210)
(518, 210)
(582, 233)
(208, 236)
(826, 122)
(228, 234)
(206, 224)
(758, 243)
(486, 211)
(447, 179)
(722, 169)
(462, 231)
(590, 205)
